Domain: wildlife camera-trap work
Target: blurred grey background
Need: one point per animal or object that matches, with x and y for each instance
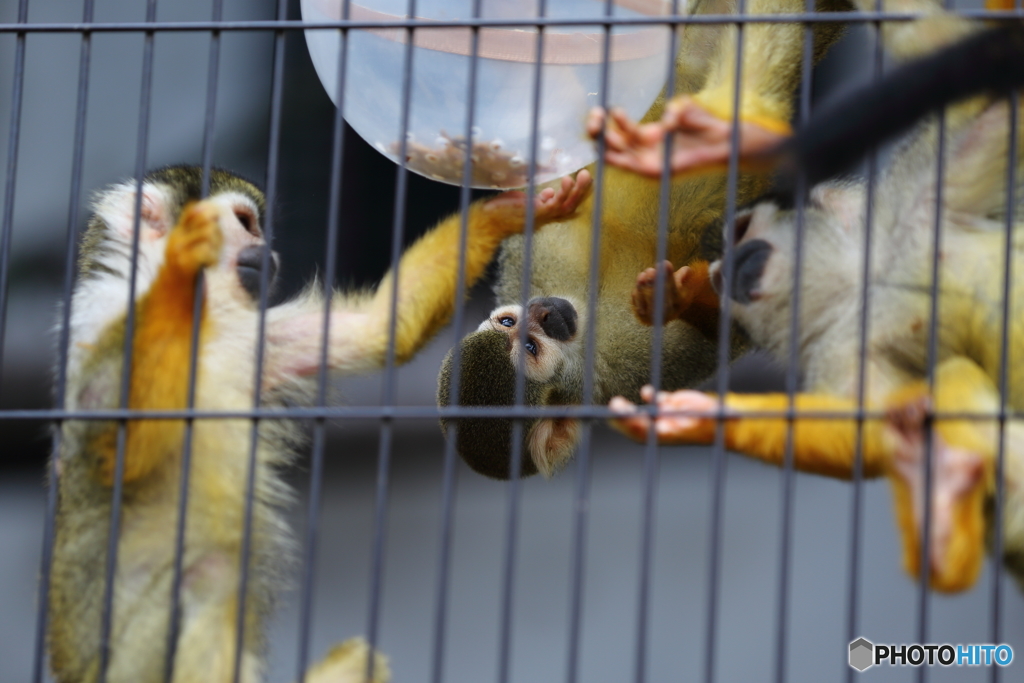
(676, 625)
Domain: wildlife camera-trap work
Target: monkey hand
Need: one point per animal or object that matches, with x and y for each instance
(700, 139)
(698, 426)
(956, 538)
(550, 204)
(195, 242)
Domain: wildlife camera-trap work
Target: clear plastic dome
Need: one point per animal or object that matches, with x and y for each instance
(570, 82)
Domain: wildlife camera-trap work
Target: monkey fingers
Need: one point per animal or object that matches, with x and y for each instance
(566, 199)
(196, 240)
(700, 140)
(550, 203)
(956, 499)
(690, 418)
(629, 145)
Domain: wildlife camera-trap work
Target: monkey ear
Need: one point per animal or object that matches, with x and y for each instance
(552, 442)
(117, 209)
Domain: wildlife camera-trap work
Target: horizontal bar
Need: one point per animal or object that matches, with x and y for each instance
(431, 412)
(292, 24)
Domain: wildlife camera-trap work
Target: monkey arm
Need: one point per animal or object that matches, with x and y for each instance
(427, 284)
(161, 348)
(822, 445)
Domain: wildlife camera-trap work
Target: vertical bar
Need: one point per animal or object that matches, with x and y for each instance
(724, 328)
(650, 465)
(13, 136)
(924, 590)
(213, 69)
(70, 254)
(142, 144)
(1004, 382)
(517, 455)
(317, 468)
(581, 504)
(853, 589)
(386, 428)
(273, 154)
(448, 476)
(793, 369)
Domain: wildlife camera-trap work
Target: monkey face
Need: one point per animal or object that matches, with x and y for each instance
(242, 259)
(763, 263)
(107, 246)
(550, 325)
(551, 358)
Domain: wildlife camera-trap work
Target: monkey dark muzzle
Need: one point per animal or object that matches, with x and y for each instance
(557, 317)
(249, 266)
(748, 267)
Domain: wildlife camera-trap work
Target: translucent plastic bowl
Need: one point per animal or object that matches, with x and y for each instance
(571, 75)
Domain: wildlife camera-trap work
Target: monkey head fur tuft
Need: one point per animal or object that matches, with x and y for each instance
(486, 378)
(551, 357)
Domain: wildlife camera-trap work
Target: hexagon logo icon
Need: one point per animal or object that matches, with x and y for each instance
(861, 654)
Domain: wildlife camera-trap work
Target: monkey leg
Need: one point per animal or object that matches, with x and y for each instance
(962, 459)
(161, 348)
(208, 640)
(688, 296)
(821, 444)
(956, 498)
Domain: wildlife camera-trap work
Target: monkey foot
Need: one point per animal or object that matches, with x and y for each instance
(195, 241)
(956, 535)
(688, 288)
(700, 139)
(347, 663)
(697, 426)
(551, 203)
(673, 303)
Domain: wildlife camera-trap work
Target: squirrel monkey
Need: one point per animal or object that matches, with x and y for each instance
(180, 236)
(560, 260)
(969, 289)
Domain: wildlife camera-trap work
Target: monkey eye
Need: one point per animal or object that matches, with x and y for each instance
(531, 346)
(507, 321)
(247, 221)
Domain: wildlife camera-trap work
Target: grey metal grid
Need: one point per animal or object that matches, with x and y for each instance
(388, 412)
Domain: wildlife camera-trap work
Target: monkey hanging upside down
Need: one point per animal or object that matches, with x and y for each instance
(970, 309)
(180, 236)
(560, 266)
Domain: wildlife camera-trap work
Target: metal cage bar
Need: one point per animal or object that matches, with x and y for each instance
(388, 412)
